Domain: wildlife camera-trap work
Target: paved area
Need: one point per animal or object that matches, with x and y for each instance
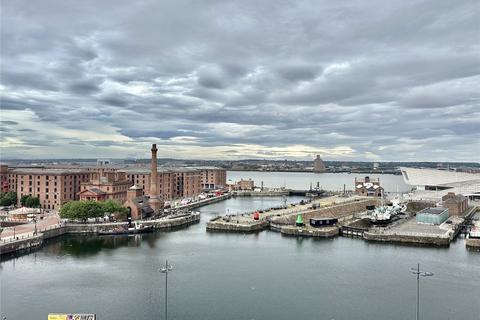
(411, 227)
(247, 218)
(29, 228)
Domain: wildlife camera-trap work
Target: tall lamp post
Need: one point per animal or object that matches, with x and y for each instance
(35, 221)
(166, 270)
(423, 274)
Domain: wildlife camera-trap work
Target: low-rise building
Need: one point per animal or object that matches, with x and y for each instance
(137, 204)
(435, 215)
(456, 203)
(247, 185)
(368, 187)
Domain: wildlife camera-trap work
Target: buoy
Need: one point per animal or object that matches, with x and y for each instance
(299, 222)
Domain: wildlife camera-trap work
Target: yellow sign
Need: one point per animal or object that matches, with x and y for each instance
(71, 316)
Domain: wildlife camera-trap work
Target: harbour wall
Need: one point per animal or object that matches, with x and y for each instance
(323, 232)
(473, 243)
(410, 239)
(33, 241)
(218, 224)
(23, 243)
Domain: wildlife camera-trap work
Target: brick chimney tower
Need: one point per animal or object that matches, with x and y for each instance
(154, 201)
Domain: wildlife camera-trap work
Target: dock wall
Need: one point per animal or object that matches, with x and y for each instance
(26, 243)
(411, 239)
(325, 232)
(32, 241)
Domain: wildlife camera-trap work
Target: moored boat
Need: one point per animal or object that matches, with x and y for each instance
(137, 228)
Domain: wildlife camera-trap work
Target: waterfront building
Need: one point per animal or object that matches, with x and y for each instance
(456, 203)
(368, 187)
(4, 178)
(435, 215)
(213, 178)
(103, 186)
(318, 165)
(173, 183)
(137, 204)
(247, 185)
(53, 187)
(434, 184)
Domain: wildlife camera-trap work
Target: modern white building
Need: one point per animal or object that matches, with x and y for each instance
(433, 183)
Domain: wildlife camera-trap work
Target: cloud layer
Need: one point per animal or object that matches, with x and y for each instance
(370, 80)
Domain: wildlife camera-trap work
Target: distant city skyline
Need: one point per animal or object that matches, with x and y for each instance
(228, 80)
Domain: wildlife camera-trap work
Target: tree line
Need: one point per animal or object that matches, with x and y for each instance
(10, 199)
(84, 210)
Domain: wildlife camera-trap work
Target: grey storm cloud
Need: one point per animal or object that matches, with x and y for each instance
(386, 81)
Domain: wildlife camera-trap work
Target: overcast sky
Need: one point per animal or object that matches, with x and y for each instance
(350, 80)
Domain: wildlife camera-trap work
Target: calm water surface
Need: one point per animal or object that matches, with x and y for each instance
(328, 181)
(236, 276)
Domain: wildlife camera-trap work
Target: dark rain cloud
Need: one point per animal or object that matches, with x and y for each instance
(389, 81)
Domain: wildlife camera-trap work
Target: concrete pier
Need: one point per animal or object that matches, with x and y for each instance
(277, 219)
(233, 225)
(473, 243)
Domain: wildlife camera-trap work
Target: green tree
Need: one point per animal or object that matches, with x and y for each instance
(32, 202)
(8, 199)
(23, 200)
(114, 207)
(81, 210)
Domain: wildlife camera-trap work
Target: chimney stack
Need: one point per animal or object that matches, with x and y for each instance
(154, 200)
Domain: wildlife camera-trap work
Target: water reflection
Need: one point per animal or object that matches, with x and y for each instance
(84, 246)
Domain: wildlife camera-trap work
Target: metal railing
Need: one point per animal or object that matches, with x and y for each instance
(23, 236)
(30, 234)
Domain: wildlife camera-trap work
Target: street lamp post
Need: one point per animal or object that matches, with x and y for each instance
(35, 221)
(423, 274)
(166, 270)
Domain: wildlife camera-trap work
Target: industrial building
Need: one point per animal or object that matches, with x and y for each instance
(318, 165)
(456, 203)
